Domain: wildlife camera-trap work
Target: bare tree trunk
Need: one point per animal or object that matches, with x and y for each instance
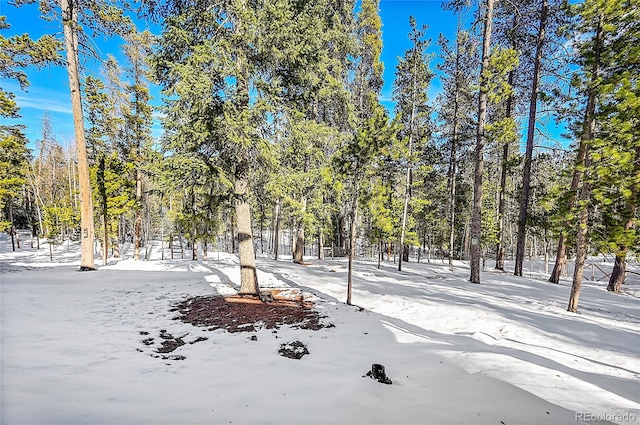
(320, 243)
(102, 191)
(261, 228)
(116, 241)
(138, 223)
(248, 273)
(298, 251)
(70, 24)
(453, 156)
(619, 273)
(476, 223)
(526, 174)
(12, 228)
(581, 249)
(352, 247)
(105, 243)
(276, 232)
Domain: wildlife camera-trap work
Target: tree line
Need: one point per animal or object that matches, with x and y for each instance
(272, 119)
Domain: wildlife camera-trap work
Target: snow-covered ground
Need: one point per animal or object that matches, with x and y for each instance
(503, 352)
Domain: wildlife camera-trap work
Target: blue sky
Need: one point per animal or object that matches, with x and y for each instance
(49, 93)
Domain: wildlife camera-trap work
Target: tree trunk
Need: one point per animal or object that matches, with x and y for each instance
(476, 223)
(102, 191)
(561, 258)
(248, 273)
(298, 252)
(261, 228)
(526, 174)
(581, 249)
(276, 232)
(70, 24)
(105, 242)
(352, 247)
(453, 155)
(138, 223)
(116, 242)
(12, 229)
(320, 243)
(619, 273)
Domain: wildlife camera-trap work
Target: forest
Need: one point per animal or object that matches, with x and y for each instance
(275, 141)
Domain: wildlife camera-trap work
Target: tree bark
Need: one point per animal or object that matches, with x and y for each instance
(320, 243)
(298, 252)
(12, 229)
(619, 273)
(476, 223)
(70, 24)
(352, 246)
(248, 273)
(526, 173)
(276, 232)
(138, 223)
(581, 249)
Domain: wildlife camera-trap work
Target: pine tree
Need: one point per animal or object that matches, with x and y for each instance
(533, 103)
(455, 106)
(476, 223)
(138, 119)
(101, 17)
(371, 121)
(16, 54)
(225, 68)
(411, 87)
(593, 53)
(615, 151)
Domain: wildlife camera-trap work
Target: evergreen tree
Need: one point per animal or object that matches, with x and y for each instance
(593, 55)
(411, 86)
(16, 54)
(455, 105)
(615, 150)
(138, 118)
(354, 158)
(225, 67)
(101, 17)
(476, 223)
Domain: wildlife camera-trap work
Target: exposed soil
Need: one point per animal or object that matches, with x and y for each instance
(247, 315)
(293, 350)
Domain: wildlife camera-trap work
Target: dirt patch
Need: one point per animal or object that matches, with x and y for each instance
(293, 350)
(216, 312)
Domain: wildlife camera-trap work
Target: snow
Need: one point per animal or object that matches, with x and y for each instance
(505, 351)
